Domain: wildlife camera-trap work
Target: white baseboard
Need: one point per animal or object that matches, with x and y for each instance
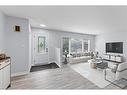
(19, 73)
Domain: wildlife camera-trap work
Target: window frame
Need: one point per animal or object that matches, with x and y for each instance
(83, 40)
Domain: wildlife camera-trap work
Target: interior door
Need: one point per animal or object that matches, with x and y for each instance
(41, 55)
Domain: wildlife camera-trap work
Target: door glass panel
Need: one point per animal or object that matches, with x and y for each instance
(41, 44)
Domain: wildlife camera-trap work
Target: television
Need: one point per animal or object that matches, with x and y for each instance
(114, 47)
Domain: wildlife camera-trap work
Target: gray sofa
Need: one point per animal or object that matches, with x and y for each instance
(79, 57)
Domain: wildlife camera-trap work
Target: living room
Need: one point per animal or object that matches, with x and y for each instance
(83, 41)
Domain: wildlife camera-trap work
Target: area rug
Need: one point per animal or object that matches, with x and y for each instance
(96, 76)
(44, 67)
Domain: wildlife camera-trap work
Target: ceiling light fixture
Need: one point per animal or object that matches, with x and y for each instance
(42, 25)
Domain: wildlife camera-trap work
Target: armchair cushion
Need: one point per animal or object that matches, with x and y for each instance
(109, 74)
(114, 68)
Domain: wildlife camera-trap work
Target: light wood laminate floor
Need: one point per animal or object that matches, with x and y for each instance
(60, 78)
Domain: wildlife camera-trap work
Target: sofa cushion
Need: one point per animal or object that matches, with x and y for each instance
(86, 54)
(78, 55)
(74, 55)
(85, 57)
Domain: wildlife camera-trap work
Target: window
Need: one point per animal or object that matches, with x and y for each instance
(75, 45)
(86, 45)
(65, 45)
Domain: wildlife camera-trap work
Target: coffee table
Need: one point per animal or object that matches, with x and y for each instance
(98, 63)
(102, 65)
(94, 62)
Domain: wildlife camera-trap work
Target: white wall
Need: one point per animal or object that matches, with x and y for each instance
(30, 47)
(17, 44)
(2, 20)
(120, 36)
(55, 39)
(57, 57)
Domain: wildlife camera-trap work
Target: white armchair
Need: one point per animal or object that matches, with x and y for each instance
(121, 71)
(116, 72)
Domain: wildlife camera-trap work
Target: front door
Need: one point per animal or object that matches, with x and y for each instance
(40, 52)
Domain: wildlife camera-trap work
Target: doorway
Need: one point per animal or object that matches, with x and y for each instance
(40, 48)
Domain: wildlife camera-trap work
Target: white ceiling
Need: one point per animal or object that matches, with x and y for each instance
(80, 19)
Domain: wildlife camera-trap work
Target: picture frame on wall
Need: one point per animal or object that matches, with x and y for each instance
(17, 28)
